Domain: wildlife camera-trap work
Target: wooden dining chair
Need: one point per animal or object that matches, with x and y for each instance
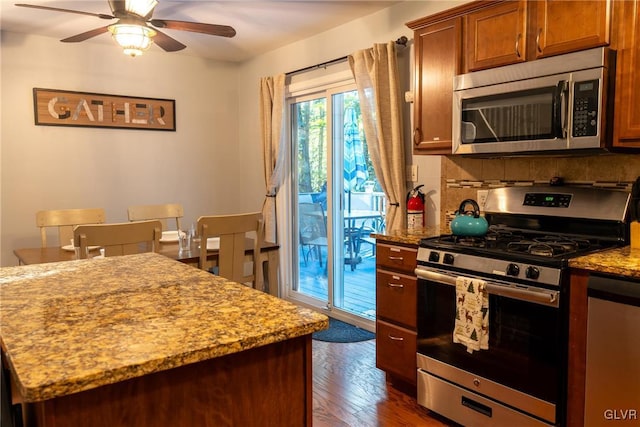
(65, 220)
(161, 212)
(124, 238)
(233, 231)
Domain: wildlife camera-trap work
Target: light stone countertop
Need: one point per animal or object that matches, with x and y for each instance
(72, 326)
(624, 262)
(407, 237)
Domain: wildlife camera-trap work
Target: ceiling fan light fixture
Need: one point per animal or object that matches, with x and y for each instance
(134, 39)
(140, 7)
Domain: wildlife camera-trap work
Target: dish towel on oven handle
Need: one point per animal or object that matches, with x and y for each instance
(471, 326)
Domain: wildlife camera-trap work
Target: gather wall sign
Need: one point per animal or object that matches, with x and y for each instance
(54, 107)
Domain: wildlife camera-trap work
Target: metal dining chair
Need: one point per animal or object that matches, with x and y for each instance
(119, 238)
(233, 232)
(162, 212)
(312, 230)
(65, 220)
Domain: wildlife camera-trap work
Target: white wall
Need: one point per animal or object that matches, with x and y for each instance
(45, 167)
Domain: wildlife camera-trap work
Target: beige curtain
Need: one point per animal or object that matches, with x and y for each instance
(376, 74)
(272, 100)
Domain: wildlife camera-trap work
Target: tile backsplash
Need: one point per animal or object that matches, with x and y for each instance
(462, 177)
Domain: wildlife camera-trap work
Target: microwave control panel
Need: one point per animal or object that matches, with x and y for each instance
(585, 108)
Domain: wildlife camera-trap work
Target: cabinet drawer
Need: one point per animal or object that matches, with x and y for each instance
(396, 351)
(396, 257)
(396, 297)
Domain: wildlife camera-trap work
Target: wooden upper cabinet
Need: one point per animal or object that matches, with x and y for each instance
(509, 32)
(626, 133)
(437, 57)
(569, 26)
(496, 35)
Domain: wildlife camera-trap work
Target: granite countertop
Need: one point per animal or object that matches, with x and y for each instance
(620, 262)
(409, 237)
(76, 325)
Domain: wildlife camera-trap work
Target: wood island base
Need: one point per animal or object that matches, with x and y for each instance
(268, 385)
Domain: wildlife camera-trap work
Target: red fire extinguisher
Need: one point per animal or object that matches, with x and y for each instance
(415, 209)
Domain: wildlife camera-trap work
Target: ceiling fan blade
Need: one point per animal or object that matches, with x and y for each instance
(85, 36)
(195, 27)
(169, 44)
(57, 9)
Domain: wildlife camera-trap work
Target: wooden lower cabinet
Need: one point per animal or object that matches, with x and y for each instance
(396, 307)
(396, 351)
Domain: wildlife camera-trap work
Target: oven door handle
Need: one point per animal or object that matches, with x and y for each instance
(538, 296)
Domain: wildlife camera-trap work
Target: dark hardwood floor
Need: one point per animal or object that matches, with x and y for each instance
(349, 391)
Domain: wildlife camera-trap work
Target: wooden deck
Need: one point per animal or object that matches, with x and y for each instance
(359, 284)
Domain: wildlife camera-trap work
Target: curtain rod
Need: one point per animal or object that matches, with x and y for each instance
(401, 41)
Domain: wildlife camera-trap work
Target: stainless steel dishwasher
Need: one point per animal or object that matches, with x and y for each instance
(612, 394)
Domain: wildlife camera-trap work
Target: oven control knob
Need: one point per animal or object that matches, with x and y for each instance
(532, 272)
(434, 256)
(513, 270)
(448, 259)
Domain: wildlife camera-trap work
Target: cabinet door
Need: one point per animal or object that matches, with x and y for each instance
(396, 351)
(437, 58)
(569, 26)
(626, 132)
(496, 35)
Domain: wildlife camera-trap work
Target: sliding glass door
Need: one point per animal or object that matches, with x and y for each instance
(336, 204)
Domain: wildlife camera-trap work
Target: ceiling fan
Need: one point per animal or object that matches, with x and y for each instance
(135, 29)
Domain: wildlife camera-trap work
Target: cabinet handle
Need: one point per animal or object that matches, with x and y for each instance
(538, 40)
(417, 136)
(395, 285)
(391, 337)
(518, 45)
(396, 258)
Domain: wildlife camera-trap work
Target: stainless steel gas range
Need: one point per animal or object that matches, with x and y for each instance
(522, 264)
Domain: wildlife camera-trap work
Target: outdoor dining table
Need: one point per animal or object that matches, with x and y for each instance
(269, 254)
(353, 232)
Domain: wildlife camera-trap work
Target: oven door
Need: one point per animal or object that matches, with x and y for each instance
(521, 368)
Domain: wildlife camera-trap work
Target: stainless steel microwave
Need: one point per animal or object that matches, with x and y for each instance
(547, 105)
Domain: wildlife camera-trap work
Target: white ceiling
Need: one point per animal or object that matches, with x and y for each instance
(261, 26)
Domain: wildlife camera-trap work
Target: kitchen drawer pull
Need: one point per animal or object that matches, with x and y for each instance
(396, 258)
(518, 45)
(395, 285)
(391, 337)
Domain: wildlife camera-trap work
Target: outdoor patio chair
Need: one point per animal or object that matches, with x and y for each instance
(312, 230)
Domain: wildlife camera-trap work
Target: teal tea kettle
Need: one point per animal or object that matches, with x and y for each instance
(469, 222)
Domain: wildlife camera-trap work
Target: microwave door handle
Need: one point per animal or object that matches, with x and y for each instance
(560, 113)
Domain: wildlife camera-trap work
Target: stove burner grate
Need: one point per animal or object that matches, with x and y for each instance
(549, 246)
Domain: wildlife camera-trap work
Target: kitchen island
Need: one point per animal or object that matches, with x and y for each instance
(143, 340)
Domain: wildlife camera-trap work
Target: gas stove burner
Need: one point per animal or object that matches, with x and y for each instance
(549, 246)
(475, 242)
(567, 242)
(497, 234)
(550, 249)
(467, 241)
